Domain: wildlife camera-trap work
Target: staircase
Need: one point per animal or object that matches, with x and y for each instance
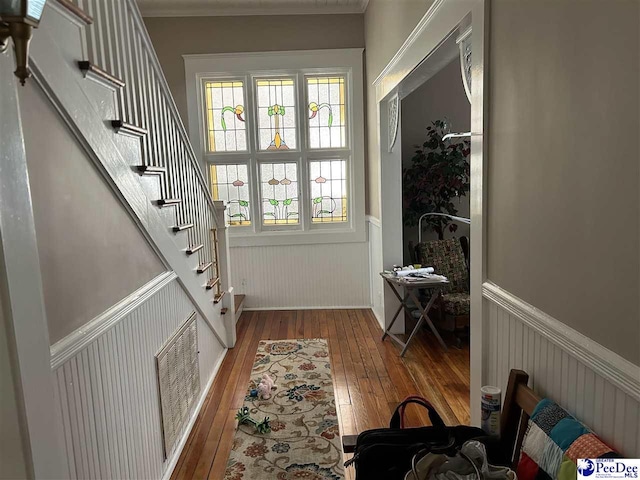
(95, 61)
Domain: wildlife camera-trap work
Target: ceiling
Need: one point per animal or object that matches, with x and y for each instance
(190, 8)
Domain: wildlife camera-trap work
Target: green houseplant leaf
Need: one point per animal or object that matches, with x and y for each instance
(439, 172)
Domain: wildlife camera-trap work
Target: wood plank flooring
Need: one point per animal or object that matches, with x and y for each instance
(369, 377)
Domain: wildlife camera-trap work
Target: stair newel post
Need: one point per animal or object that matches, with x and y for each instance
(224, 272)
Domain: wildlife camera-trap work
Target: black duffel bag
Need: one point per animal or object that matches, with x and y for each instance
(386, 453)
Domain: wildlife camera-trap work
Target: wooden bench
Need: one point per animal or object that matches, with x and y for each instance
(519, 403)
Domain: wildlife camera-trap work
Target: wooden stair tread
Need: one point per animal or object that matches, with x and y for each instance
(238, 299)
(212, 283)
(89, 68)
(167, 202)
(182, 227)
(128, 128)
(151, 170)
(76, 11)
(203, 267)
(218, 297)
(194, 248)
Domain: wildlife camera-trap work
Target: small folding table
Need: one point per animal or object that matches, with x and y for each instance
(396, 283)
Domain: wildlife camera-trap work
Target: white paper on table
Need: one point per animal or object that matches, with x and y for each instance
(404, 273)
(422, 277)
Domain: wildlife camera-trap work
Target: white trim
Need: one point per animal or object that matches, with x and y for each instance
(464, 34)
(320, 307)
(22, 294)
(346, 61)
(376, 285)
(374, 221)
(378, 318)
(213, 11)
(606, 363)
(442, 19)
(194, 416)
(411, 39)
(72, 344)
(320, 54)
(62, 85)
(162, 80)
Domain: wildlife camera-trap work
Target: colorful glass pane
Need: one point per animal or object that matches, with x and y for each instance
(327, 105)
(226, 127)
(279, 186)
(276, 114)
(328, 191)
(231, 184)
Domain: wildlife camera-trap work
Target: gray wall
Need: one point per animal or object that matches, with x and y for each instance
(388, 23)
(441, 96)
(563, 166)
(563, 187)
(91, 253)
(13, 449)
(174, 37)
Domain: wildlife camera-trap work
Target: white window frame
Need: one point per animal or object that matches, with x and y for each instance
(297, 64)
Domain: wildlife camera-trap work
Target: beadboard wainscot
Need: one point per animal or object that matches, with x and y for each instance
(285, 277)
(376, 284)
(106, 384)
(596, 385)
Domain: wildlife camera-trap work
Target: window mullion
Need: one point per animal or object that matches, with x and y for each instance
(252, 122)
(256, 199)
(303, 168)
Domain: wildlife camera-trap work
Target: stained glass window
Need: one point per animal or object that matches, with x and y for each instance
(279, 187)
(231, 183)
(226, 127)
(328, 191)
(327, 121)
(276, 114)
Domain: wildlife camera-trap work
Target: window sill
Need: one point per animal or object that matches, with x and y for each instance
(274, 238)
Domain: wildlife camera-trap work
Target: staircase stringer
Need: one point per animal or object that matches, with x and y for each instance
(62, 82)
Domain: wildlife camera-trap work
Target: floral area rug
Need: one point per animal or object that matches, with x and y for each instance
(304, 442)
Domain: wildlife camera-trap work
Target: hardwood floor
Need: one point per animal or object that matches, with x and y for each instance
(370, 379)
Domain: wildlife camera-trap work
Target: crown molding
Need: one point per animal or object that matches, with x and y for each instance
(233, 11)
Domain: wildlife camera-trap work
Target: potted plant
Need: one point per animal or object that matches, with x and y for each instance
(439, 172)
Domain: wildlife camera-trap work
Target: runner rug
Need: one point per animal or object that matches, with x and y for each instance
(304, 442)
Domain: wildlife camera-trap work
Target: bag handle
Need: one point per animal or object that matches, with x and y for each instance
(398, 420)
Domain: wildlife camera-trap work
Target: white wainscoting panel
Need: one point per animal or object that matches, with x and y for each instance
(376, 284)
(598, 388)
(302, 276)
(108, 394)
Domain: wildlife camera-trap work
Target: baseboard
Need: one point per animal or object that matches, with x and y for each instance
(606, 363)
(322, 307)
(178, 451)
(379, 317)
(69, 346)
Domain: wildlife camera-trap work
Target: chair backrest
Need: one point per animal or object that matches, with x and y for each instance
(447, 258)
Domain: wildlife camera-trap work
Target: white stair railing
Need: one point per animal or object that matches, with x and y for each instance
(118, 44)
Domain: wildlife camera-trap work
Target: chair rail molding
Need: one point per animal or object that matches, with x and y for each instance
(61, 85)
(606, 363)
(69, 346)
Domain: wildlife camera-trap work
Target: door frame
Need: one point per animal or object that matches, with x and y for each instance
(442, 18)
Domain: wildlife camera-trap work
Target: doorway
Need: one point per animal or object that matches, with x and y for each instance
(429, 49)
